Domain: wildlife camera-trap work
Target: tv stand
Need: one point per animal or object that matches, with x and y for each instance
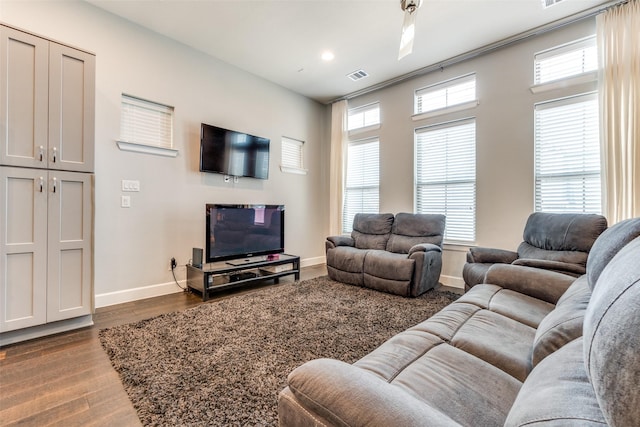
(222, 275)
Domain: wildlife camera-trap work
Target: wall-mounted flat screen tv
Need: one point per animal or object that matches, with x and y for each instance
(243, 231)
(233, 153)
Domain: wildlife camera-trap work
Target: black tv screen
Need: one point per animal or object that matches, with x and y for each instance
(243, 231)
(233, 153)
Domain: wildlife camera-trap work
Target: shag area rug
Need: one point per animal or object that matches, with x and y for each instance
(224, 363)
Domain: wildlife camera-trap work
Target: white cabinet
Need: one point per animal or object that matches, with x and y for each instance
(46, 237)
(47, 98)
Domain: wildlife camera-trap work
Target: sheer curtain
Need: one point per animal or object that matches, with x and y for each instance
(336, 168)
(618, 34)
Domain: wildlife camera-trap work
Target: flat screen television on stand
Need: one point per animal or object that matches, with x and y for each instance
(243, 234)
(233, 153)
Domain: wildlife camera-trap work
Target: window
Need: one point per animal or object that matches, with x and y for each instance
(146, 123)
(565, 61)
(361, 193)
(292, 160)
(363, 117)
(567, 155)
(446, 176)
(458, 91)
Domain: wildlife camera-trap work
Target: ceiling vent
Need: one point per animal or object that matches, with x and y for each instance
(357, 75)
(549, 3)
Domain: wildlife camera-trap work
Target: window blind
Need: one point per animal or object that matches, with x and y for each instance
(292, 155)
(360, 117)
(564, 61)
(146, 122)
(567, 156)
(446, 176)
(445, 94)
(362, 187)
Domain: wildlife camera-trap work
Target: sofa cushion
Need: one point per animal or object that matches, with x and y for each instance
(443, 377)
(557, 393)
(371, 231)
(563, 232)
(344, 264)
(611, 338)
(388, 265)
(564, 323)
(498, 340)
(606, 247)
(523, 308)
(409, 230)
(528, 251)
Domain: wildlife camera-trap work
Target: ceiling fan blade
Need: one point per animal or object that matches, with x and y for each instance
(408, 33)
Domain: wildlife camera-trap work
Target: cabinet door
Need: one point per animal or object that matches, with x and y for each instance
(23, 248)
(24, 74)
(71, 109)
(70, 243)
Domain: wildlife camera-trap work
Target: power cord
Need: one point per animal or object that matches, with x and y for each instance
(173, 272)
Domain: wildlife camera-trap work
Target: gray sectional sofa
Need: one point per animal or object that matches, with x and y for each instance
(399, 254)
(529, 347)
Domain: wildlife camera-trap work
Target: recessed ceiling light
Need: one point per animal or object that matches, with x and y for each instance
(327, 55)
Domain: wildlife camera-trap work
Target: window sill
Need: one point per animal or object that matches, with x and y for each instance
(146, 149)
(446, 110)
(365, 129)
(570, 81)
(296, 171)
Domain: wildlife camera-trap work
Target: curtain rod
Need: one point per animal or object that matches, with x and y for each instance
(485, 49)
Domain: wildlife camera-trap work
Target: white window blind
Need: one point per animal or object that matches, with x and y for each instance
(565, 61)
(446, 176)
(361, 117)
(362, 187)
(146, 122)
(567, 156)
(445, 94)
(292, 156)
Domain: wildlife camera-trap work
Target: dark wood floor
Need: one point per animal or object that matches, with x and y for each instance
(67, 379)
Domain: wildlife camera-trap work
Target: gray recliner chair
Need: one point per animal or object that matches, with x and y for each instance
(556, 242)
(400, 255)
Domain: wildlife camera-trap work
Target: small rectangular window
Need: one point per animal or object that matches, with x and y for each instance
(292, 159)
(445, 94)
(362, 187)
(569, 60)
(363, 117)
(146, 122)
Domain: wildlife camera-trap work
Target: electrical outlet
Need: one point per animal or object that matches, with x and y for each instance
(173, 263)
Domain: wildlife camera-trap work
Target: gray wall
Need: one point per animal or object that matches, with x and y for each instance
(504, 135)
(133, 246)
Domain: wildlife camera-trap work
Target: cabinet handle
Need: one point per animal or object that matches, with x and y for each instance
(41, 153)
(41, 184)
(55, 154)
(55, 184)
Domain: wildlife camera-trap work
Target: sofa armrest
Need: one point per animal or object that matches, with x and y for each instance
(558, 266)
(346, 395)
(541, 284)
(340, 241)
(425, 247)
(491, 255)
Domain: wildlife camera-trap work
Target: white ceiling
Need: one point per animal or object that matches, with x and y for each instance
(282, 40)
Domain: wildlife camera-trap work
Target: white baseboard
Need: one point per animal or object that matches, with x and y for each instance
(453, 281)
(20, 335)
(134, 294)
(308, 262)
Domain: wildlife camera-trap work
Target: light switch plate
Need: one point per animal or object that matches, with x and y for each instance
(130, 185)
(126, 201)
